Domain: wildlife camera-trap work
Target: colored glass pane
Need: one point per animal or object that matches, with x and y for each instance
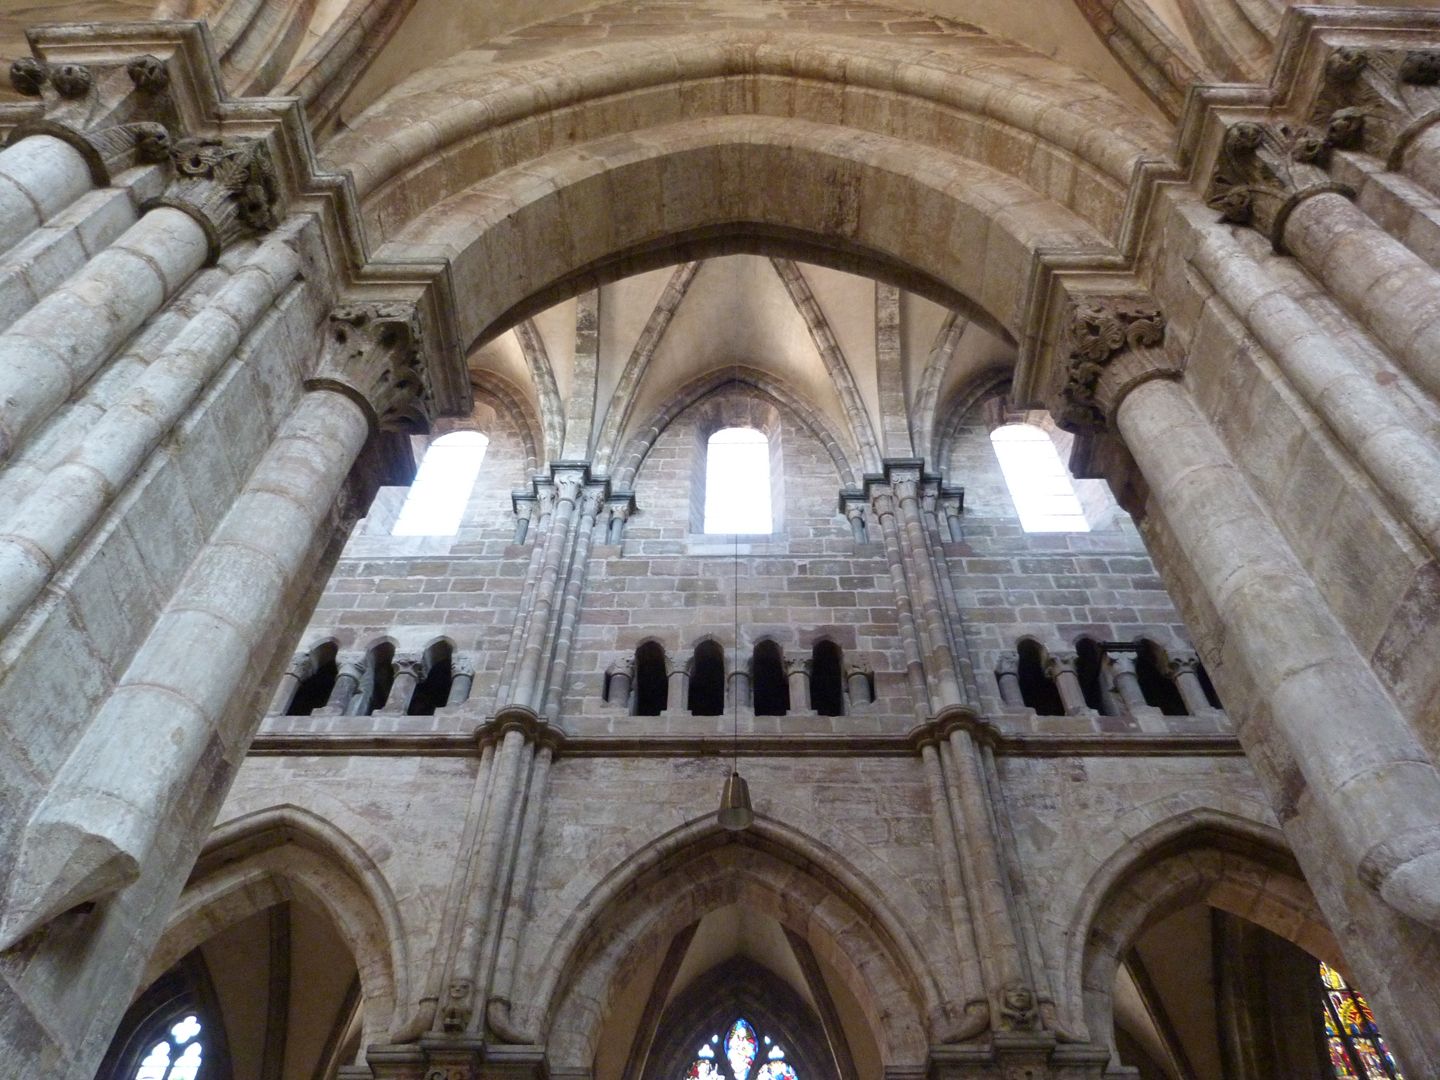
(1340, 1062)
(702, 1069)
(1357, 1052)
(1330, 977)
(740, 1046)
(777, 1070)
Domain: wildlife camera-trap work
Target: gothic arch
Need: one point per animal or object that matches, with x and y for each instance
(281, 853)
(1006, 105)
(513, 403)
(924, 219)
(697, 391)
(1201, 855)
(679, 877)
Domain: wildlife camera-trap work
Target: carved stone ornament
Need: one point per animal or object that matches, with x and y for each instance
(1378, 100)
(228, 185)
(106, 150)
(459, 1006)
(1265, 171)
(71, 80)
(1099, 330)
(148, 74)
(1018, 1008)
(28, 76)
(372, 355)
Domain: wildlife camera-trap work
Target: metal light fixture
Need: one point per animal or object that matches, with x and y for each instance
(735, 811)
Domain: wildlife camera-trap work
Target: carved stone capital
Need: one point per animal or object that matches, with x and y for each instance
(677, 666)
(1059, 663)
(567, 488)
(372, 355)
(883, 503)
(797, 666)
(1265, 171)
(852, 669)
(853, 511)
(229, 186)
(621, 510)
(1007, 663)
(302, 666)
(594, 499)
(1185, 664)
(352, 666)
(462, 667)
(624, 666)
(1112, 345)
(1121, 663)
(108, 150)
(413, 666)
(1378, 100)
(72, 80)
(28, 76)
(148, 74)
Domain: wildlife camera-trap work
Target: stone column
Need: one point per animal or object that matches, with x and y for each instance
(857, 685)
(98, 824)
(36, 539)
(39, 176)
(350, 670)
(618, 517)
(54, 348)
(1060, 669)
(1007, 675)
(409, 670)
(528, 687)
(677, 684)
(940, 661)
(855, 514)
(622, 675)
(302, 666)
(1185, 670)
(737, 684)
(1127, 683)
(884, 506)
(523, 511)
(462, 678)
(590, 503)
(797, 674)
(954, 529)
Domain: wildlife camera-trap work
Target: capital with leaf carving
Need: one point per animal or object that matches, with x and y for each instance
(1378, 99)
(1112, 345)
(372, 354)
(229, 186)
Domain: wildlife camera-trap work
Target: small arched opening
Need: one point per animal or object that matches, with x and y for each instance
(770, 690)
(315, 690)
(1152, 672)
(827, 686)
(374, 689)
(1089, 669)
(650, 679)
(1037, 690)
(707, 680)
(433, 689)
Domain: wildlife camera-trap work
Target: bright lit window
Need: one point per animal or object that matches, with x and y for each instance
(442, 485)
(175, 1056)
(737, 482)
(1040, 485)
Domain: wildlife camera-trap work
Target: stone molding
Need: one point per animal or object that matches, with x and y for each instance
(1265, 171)
(1378, 99)
(372, 355)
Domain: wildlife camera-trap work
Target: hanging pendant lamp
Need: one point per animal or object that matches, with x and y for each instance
(735, 811)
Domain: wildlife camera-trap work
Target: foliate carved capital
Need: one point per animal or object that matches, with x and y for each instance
(1377, 100)
(624, 666)
(106, 150)
(567, 488)
(1007, 663)
(797, 666)
(593, 501)
(229, 186)
(372, 355)
(1099, 333)
(883, 504)
(1265, 171)
(462, 667)
(853, 669)
(621, 510)
(854, 510)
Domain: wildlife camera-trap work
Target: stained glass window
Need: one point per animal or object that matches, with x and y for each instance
(740, 1053)
(176, 1055)
(1357, 1052)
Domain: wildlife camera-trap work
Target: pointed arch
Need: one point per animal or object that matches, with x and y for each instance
(959, 407)
(542, 376)
(287, 852)
(698, 867)
(1202, 854)
(697, 390)
(927, 394)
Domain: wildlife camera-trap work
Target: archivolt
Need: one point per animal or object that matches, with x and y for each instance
(883, 203)
(513, 404)
(698, 868)
(987, 99)
(713, 382)
(285, 852)
(1206, 856)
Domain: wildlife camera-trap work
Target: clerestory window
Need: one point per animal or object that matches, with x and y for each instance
(176, 1054)
(737, 482)
(1040, 485)
(1357, 1051)
(442, 485)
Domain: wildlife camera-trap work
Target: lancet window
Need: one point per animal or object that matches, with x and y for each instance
(1357, 1050)
(737, 482)
(740, 1053)
(650, 686)
(707, 680)
(1040, 485)
(770, 689)
(827, 685)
